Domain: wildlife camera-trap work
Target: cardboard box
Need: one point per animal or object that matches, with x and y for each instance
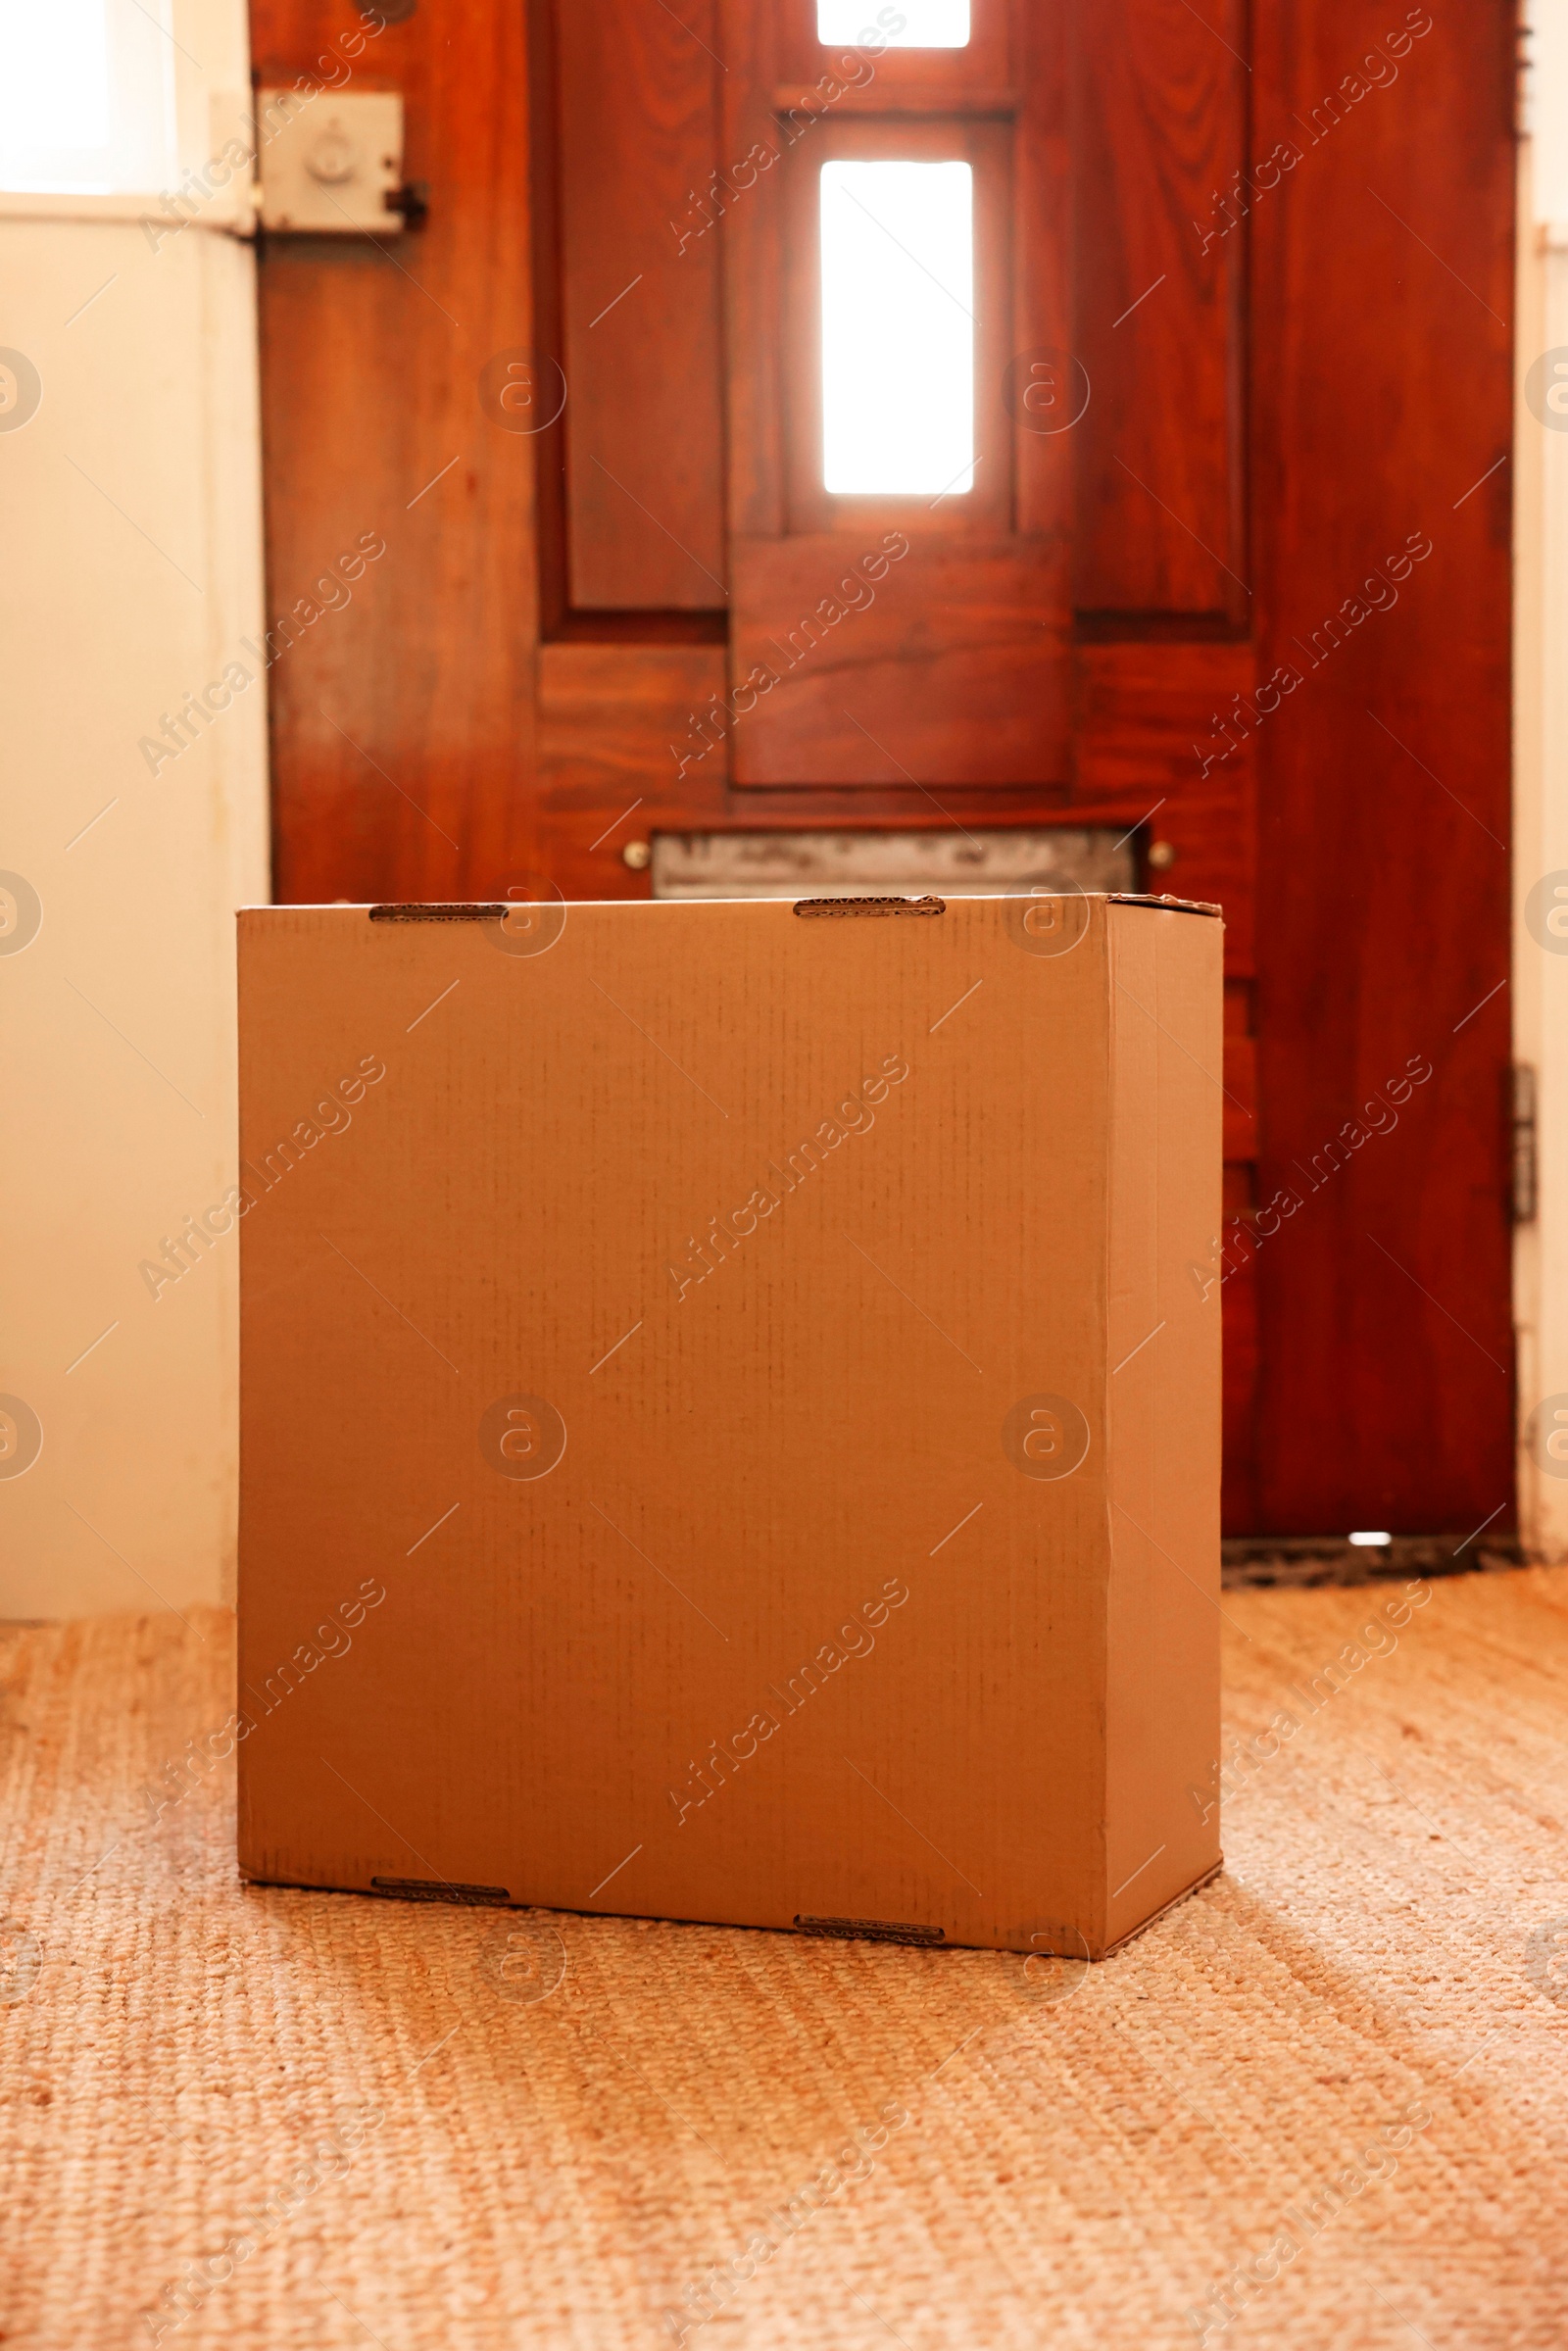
(731, 1410)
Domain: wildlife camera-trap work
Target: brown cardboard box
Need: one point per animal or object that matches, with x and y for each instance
(731, 1410)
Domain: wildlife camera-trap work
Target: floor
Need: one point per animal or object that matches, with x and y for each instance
(1323, 2103)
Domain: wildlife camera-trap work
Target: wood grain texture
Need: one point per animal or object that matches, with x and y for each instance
(1386, 1384)
(401, 721)
(637, 147)
(1160, 127)
(950, 675)
(614, 723)
(1240, 1099)
(1145, 725)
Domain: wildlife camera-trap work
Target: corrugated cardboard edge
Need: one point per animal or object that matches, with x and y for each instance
(487, 910)
(416, 910)
(1160, 1167)
(443, 1890)
(1204, 1878)
(842, 907)
(914, 1938)
(871, 1931)
(1168, 905)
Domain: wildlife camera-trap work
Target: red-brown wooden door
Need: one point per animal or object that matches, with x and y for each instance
(1250, 604)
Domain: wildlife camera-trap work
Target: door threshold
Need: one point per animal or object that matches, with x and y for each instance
(1308, 1559)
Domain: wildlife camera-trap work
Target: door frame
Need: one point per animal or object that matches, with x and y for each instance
(1541, 807)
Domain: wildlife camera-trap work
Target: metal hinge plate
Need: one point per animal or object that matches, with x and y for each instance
(1524, 1144)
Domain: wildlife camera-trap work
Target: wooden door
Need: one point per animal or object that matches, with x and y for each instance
(1244, 598)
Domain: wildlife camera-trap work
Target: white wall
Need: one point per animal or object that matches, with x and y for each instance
(1540, 778)
(129, 571)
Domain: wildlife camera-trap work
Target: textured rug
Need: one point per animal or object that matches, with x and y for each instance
(1322, 2103)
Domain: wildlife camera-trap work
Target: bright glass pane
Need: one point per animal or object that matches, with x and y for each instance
(911, 25)
(898, 327)
(86, 96)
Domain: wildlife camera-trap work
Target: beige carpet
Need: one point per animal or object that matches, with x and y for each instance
(246, 2118)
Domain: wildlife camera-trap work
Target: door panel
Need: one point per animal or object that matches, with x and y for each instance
(1163, 627)
(1384, 777)
(986, 626)
(636, 127)
(957, 630)
(1161, 122)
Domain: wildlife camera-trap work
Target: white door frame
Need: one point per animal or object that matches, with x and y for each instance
(1541, 780)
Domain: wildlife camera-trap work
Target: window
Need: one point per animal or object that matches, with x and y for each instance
(898, 255)
(898, 327)
(86, 96)
(926, 24)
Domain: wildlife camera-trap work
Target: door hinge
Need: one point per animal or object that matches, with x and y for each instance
(1524, 1144)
